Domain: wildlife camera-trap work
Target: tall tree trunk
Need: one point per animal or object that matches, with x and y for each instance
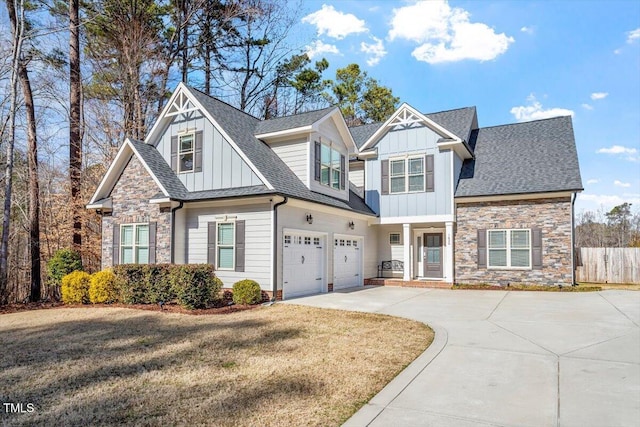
(17, 31)
(75, 135)
(34, 184)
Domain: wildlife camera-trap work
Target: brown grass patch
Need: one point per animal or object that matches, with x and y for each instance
(279, 365)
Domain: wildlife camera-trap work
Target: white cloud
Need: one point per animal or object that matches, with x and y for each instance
(618, 149)
(318, 48)
(444, 34)
(606, 200)
(621, 184)
(633, 35)
(375, 51)
(599, 95)
(333, 23)
(617, 51)
(587, 107)
(592, 181)
(528, 30)
(534, 111)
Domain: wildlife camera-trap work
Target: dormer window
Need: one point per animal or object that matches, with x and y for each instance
(186, 153)
(332, 166)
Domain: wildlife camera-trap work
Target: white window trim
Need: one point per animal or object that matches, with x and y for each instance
(508, 249)
(133, 246)
(407, 174)
(192, 151)
(233, 267)
(399, 239)
(331, 148)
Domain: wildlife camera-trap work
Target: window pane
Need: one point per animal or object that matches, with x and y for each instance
(520, 258)
(520, 239)
(397, 185)
(127, 255)
(186, 162)
(142, 235)
(335, 159)
(415, 165)
(127, 235)
(335, 178)
(186, 143)
(324, 175)
(397, 167)
(225, 257)
(394, 238)
(498, 239)
(225, 234)
(142, 255)
(325, 155)
(433, 255)
(498, 258)
(416, 183)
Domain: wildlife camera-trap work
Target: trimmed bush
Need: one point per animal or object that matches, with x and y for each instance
(159, 282)
(195, 285)
(131, 283)
(75, 287)
(63, 262)
(247, 292)
(102, 287)
(217, 289)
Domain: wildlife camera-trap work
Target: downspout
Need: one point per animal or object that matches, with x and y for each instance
(275, 248)
(573, 240)
(173, 230)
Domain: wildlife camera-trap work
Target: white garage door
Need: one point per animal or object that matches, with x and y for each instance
(302, 264)
(347, 262)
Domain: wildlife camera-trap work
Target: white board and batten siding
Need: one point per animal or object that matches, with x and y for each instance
(222, 166)
(257, 240)
(414, 141)
(295, 154)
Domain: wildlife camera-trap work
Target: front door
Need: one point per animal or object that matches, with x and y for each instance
(432, 255)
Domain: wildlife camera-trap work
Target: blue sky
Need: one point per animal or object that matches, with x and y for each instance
(514, 60)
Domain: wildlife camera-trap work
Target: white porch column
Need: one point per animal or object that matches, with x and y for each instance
(406, 234)
(448, 247)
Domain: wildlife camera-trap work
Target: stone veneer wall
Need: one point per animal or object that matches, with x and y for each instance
(553, 216)
(130, 198)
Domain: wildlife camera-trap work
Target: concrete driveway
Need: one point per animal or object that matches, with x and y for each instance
(508, 358)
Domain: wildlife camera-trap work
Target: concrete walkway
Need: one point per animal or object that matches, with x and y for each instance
(508, 358)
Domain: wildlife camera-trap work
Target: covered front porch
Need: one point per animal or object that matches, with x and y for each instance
(415, 253)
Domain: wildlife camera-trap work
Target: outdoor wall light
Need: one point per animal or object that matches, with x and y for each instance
(351, 225)
(309, 219)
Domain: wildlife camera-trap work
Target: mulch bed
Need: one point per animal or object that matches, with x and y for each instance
(167, 308)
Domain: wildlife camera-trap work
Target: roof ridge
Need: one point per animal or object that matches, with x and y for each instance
(300, 114)
(453, 109)
(527, 122)
(223, 102)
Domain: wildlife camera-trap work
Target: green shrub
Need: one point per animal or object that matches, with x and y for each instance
(194, 285)
(131, 283)
(216, 291)
(246, 292)
(102, 287)
(159, 282)
(63, 262)
(75, 287)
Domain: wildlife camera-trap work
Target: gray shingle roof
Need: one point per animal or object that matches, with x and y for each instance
(291, 122)
(160, 169)
(531, 157)
(362, 133)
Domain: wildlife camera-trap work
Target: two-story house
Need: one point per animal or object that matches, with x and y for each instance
(303, 204)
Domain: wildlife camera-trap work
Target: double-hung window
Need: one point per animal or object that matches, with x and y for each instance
(134, 243)
(330, 167)
(186, 153)
(509, 248)
(406, 175)
(225, 246)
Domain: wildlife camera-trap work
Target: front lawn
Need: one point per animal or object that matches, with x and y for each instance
(278, 365)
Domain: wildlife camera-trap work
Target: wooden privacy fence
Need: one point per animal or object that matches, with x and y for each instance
(608, 265)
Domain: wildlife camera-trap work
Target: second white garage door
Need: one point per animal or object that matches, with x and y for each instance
(347, 262)
(302, 264)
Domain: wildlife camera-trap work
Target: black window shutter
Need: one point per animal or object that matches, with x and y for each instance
(152, 242)
(482, 248)
(211, 243)
(239, 246)
(316, 174)
(198, 152)
(174, 153)
(536, 248)
(385, 177)
(428, 167)
(343, 172)
(116, 244)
